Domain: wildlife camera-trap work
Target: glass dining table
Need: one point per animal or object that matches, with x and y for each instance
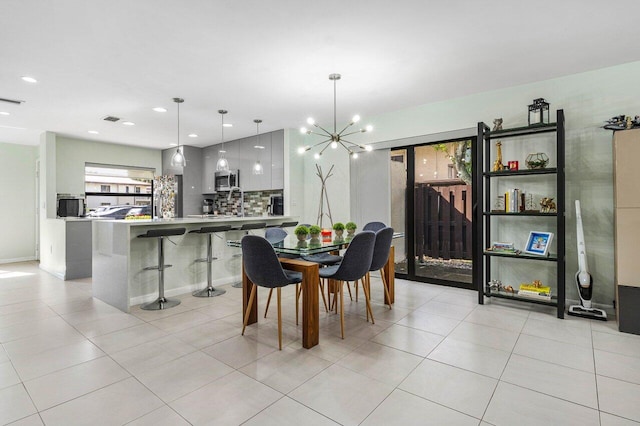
(295, 249)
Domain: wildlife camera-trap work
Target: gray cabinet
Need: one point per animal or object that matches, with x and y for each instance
(277, 159)
(209, 159)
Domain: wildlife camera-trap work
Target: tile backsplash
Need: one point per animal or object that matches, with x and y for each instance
(256, 203)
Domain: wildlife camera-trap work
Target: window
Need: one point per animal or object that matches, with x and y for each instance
(137, 190)
(126, 189)
(105, 188)
(116, 185)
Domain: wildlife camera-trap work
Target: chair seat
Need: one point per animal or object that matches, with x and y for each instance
(293, 277)
(326, 259)
(164, 232)
(329, 271)
(211, 229)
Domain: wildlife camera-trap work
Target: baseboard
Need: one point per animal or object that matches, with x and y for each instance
(56, 274)
(18, 259)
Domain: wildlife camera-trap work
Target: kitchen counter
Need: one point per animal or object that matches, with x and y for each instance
(119, 257)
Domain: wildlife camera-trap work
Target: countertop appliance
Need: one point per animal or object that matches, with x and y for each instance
(70, 207)
(207, 206)
(276, 205)
(224, 181)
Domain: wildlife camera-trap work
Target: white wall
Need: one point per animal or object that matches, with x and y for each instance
(18, 212)
(588, 99)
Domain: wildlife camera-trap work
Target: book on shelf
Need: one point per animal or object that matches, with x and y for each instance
(514, 201)
(534, 295)
(535, 288)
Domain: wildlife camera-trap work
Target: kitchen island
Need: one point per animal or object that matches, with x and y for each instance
(119, 257)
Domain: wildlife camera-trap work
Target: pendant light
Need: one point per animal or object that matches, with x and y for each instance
(257, 167)
(178, 159)
(222, 165)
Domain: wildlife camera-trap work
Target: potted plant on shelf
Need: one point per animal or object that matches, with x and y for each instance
(314, 232)
(301, 232)
(351, 228)
(339, 228)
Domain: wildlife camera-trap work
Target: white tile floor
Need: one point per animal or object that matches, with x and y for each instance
(436, 358)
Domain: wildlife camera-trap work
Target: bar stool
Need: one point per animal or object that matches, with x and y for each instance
(209, 231)
(161, 302)
(247, 227)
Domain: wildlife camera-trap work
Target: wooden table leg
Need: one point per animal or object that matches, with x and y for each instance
(246, 292)
(389, 271)
(310, 302)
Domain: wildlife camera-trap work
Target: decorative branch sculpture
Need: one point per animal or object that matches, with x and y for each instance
(324, 196)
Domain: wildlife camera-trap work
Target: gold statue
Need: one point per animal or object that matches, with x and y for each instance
(497, 165)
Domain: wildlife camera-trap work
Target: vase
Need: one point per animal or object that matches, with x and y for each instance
(338, 232)
(301, 237)
(350, 232)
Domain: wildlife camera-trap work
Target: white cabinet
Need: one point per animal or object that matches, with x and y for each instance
(277, 159)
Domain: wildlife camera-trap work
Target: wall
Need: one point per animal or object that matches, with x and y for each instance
(588, 99)
(18, 215)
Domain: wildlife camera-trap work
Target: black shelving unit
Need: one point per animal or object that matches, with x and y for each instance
(482, 191)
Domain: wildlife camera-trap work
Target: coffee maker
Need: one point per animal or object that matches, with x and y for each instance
(207, 206)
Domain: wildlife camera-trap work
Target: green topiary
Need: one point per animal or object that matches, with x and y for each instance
(338, 226)
(351, 226)
(301, 230)
(314, 229)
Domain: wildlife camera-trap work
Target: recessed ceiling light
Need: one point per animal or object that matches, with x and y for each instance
(160, 109)
(193, 135)
(258, 147)
(93, 132)
(4, 113)
(128, 123)
(227, 125)
(29, 79)
(173, 144)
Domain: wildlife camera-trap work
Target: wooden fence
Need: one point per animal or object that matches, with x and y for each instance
(443, 221)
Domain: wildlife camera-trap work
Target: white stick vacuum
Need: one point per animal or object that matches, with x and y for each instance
(584, 280)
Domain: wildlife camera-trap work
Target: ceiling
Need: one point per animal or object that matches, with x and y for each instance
(271, 60)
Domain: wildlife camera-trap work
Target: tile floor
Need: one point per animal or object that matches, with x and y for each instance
(436, 358)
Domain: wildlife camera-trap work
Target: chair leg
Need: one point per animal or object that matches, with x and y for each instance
(266, 308)
(364, 280)
(341, 310)
(386, 287)
(280, 320)
(366, 289)
(248, 312)
(298, 293)
(355, 284)
(324, 300)
(349, 288)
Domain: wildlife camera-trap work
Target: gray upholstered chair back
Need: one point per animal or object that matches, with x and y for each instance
(357, 258)
(381, 249)
(275, 235)
(374, 226)
(261, 263)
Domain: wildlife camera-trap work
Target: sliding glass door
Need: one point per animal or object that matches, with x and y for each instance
(437, 211)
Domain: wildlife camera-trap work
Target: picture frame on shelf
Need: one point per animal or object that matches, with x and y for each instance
(539, 243)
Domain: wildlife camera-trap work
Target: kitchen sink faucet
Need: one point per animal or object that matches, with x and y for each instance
(237, 188)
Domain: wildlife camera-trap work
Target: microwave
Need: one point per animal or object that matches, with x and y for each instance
(224, 181)
(70, 207)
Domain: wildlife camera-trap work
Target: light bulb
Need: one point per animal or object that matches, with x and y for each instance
(316, 156)
(311, 121)
(334, 144)
(368, 148)
(355, 118)
(354, 155)
(303, 130)
(369, 128)
(301, 150)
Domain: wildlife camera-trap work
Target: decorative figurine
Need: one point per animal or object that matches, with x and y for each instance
(539, 160)
(497, 165)
(497, 124)
(547, 205)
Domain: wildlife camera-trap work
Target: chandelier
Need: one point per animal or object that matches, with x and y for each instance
(335, 138)
(222, 165)
(257, 167)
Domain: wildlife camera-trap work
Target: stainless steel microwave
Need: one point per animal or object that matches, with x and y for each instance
(224, 181)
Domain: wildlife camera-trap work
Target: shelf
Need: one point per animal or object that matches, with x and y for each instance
(526, 172)
(550, 258)
(519, 214)
(552, 302)
(523, 131)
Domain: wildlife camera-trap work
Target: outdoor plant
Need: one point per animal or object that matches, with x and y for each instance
(301, 230)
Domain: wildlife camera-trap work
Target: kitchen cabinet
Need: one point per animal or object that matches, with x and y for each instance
(626, 175)
(209, 159)
(498, 223)
(250, 154)
(277, 159)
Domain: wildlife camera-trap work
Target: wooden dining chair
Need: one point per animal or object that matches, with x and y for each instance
(356, 262)
(262, 267)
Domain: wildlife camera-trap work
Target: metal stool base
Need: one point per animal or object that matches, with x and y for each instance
(159, 304)
(208, 292)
